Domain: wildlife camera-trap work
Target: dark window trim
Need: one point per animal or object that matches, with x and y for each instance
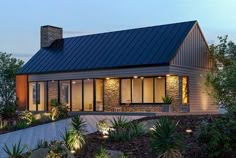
(70, 95)
(46, 96)
(37, 104)
(154, 88)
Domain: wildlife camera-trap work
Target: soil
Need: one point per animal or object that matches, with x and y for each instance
(139, 147)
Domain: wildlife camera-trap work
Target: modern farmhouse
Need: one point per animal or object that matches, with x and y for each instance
(129, 70)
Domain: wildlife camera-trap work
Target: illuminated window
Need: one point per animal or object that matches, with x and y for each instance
(126, 90)
(143, 90)
(185, 96)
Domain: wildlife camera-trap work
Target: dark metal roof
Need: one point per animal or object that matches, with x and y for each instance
(147, 46)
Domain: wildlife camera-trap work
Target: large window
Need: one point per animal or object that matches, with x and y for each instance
(99, 95)
(52, 92)
(137, 90)
(148, 90)
(143, 90)
(185, 98)
(88, 95)
(126, 90)
(65, 93)
(77, 95)
(37, 96)
(159, 89)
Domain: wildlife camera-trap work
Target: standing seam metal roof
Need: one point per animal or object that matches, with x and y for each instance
(155, 45)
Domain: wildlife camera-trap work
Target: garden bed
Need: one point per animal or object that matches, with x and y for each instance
(139, 147)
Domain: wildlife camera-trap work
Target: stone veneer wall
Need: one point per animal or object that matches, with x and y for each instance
(172, 89)
(111, 94)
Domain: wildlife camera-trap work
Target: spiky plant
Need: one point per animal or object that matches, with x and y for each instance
(119, 122)
(79, 124)
(167, 99)
(102, 153)
(73, 139)
(165, 141)
(16, 152)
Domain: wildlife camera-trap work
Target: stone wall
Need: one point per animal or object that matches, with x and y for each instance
(172, 89)
(111, 94)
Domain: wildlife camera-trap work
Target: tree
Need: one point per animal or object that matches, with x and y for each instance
(221, 82)
(8, 68)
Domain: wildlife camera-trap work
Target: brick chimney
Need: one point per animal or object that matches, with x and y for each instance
(49, 34)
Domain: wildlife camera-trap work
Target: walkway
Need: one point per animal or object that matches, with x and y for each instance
(50, 131)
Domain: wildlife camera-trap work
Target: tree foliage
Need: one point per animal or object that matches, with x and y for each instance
(221, 82)
(8, 68)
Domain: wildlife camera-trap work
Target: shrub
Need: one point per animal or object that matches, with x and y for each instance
(73, 139)
(167, 99)
(8, 111)
(16, 152)
(58, 110)
(58, 150)
(119, 122)
(27, 116)
(42, 144)
(21, 124)
(103, 126)
(165, 141)
(126, 131)
(102, 153)
(79, 124)
(217, 138)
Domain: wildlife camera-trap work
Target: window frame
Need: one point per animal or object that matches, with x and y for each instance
(141, 103)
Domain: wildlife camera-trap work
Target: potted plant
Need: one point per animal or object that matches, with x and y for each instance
(167, 100)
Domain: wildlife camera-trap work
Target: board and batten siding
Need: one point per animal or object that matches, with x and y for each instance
(199, 100)
(194, 51)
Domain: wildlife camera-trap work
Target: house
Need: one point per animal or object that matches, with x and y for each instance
(128, 70)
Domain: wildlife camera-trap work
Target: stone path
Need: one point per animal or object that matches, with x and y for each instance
(50, 131)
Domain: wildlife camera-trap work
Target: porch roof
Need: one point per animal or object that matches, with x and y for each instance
(149, 46)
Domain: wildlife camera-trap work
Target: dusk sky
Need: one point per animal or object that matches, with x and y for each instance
(21, 20)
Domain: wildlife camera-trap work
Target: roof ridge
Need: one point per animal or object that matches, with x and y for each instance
(145, 27)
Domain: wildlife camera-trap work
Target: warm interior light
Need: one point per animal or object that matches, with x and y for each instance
(73, 82)
(167, 75)
(142, 78)
(159, 77)
(135, 76)
(107, 78)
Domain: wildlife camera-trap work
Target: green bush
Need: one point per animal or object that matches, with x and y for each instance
(165, 141)
(103, 126)
(16, 151)
(218, 137)
(58, 110)
(125, 131)
(58, 150)
(21, 124)
(27, 116)
(79, 124)
(8, 111)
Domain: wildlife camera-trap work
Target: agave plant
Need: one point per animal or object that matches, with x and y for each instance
(119, 122)
(102, 153)
(167, 99)
(16, 152)
(165, 141)
(79, 124)
(27, 116)
(73, 139)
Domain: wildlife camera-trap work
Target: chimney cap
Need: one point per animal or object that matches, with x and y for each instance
(44, 26)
